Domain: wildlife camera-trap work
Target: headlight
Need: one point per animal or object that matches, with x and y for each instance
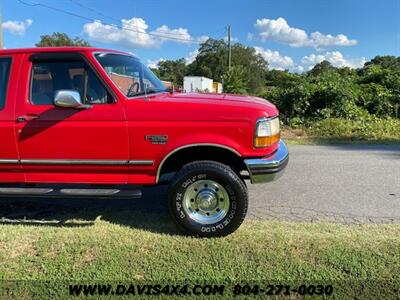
(267, 132)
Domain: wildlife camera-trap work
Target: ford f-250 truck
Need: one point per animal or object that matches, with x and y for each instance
(88, 122)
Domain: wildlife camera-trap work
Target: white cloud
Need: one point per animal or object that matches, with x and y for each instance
(203, 38)
(280, 31)
(153, 64)
(275, 59)
(134, 34)
(297, 69)
(17, 27)
(320, 40)
(335, 58)
(181, 35)
(191, 57)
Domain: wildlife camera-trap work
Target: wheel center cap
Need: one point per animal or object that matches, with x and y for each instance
(206, 200)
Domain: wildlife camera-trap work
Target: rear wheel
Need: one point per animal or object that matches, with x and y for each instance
(208, 199)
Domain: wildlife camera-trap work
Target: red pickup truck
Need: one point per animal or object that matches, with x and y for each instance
(88, 122)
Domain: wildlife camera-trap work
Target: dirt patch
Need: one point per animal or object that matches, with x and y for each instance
(291, 133)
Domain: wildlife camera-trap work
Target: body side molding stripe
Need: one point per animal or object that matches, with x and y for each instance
(78, 162)
(141, 162)
(9, 161)
(73, 162)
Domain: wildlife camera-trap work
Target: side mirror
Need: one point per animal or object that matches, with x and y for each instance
(69, 99)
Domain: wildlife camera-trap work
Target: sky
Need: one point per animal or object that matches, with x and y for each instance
(289, 34)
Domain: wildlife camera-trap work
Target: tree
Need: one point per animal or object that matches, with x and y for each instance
(58, 39)
(235, 81)
(386, 62)
(156, 72)
(254, 66)
(172, 70)
(212, 62)
(282, 79)
(321, 67)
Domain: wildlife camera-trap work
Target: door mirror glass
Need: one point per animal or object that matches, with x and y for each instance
(69, 99)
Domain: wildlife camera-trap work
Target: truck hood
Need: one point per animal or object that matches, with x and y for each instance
(243, 102)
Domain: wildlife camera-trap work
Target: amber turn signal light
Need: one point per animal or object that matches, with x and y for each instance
(266, 141)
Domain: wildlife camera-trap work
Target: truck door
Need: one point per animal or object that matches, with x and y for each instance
(10, 169)
(66, 145)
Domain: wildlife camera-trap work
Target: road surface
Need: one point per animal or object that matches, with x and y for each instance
(344, 184)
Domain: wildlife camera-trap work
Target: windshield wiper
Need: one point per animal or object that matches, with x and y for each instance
(147, 91)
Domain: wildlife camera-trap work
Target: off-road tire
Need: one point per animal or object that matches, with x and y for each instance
(225, 177)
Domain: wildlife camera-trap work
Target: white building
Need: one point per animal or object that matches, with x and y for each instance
(197, 84)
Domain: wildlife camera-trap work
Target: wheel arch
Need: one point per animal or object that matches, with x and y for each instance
(187, 153)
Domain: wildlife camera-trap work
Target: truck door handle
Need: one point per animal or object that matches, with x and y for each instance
(27, 118)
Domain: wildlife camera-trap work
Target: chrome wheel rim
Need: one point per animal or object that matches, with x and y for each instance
(206, 202)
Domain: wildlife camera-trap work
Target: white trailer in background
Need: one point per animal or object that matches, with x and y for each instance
(197, 84)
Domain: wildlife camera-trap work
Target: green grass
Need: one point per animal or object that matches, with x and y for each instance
(371, 130)
(307, 140)
(358, 260)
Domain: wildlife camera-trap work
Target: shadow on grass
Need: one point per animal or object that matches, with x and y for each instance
(148, 213)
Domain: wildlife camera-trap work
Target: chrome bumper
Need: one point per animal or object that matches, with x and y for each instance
(268, 168)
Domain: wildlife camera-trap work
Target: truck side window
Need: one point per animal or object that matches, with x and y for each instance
(5, 64)
(49, 77)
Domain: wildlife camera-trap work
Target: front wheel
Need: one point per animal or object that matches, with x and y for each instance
(208, 199)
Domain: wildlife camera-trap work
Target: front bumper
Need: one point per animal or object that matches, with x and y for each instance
(268, 168)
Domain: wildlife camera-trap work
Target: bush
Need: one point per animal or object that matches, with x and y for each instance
(370, 128)
(326, 92)
(235, 81)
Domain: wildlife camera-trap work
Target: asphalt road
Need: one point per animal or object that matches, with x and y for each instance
(343, 184)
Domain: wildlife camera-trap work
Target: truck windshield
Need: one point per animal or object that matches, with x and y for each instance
(131, 76)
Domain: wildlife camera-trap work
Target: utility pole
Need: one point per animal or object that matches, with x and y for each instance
(230, 46)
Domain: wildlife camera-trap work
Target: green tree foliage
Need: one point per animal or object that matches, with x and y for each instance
(212, 62)
(387, 62)
(329, 92)
(172, 70)
(320, 68)
(323, 92)
(156, 72)
(235, 81)
(58, 39)
(254, 66)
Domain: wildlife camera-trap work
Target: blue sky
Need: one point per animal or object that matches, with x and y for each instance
(290, 34)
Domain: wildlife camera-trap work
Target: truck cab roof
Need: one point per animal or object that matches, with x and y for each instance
(56, 49)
